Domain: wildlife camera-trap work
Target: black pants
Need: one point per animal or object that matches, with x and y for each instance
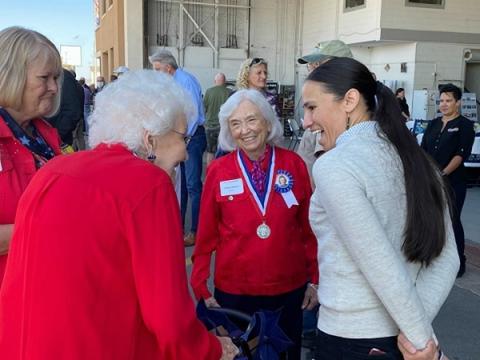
(331, 347)
(291, 318)
(458, 193)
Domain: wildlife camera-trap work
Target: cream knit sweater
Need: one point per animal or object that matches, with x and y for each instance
(358, 212)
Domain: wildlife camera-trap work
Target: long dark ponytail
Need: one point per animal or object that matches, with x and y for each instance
(425, 232)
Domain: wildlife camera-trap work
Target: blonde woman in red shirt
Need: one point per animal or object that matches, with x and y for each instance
(30, 82)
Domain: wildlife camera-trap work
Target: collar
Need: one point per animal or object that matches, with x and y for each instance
(116, 147)
(41, 125)
(265, 162)
(369, 127)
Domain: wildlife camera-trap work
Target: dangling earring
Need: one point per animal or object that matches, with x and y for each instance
(151, 156)
(347, 126)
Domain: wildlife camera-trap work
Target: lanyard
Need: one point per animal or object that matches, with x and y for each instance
(260, 206)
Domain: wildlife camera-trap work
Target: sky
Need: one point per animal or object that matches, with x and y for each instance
(64, 22)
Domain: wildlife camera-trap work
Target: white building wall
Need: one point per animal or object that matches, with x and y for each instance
(461, 16)
(385, 62)
(359, 25)
(133, 20)
(320, 19)
(439, 63)
(327, 20)
(272, 36)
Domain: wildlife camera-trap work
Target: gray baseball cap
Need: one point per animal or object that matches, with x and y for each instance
(326, 49)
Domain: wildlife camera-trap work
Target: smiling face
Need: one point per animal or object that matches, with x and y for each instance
(257, 77)
(249, 129)
(323, 113)
(40, 89)
(448, 105)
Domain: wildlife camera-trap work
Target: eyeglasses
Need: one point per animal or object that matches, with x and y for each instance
(186, 138)
(256, 61)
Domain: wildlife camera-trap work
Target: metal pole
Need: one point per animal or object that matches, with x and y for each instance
(198, 28)
(181, 35)
(216, 53)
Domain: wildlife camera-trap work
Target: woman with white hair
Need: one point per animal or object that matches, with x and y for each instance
(254, 215)
(30, 81)
(105, 279)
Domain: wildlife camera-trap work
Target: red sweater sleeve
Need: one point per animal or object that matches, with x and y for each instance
(158, 262)
(207, 236)
(309, 236)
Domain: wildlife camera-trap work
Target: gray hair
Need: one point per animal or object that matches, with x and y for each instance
(225, 139)
(139, 100)
(163, 56)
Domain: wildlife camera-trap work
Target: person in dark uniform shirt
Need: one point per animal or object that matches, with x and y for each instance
(448, 140)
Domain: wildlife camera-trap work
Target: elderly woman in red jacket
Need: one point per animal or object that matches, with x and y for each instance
(254, 215)
(105, 278)
(30, 81)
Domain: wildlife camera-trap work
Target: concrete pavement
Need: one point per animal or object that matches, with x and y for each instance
(458, 323)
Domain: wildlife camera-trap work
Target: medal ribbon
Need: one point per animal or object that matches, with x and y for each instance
(262, 206)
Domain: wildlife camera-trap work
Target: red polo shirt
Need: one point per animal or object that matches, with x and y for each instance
(17, 167)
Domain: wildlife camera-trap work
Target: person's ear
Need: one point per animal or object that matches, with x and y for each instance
(351, 100)
(147, 141)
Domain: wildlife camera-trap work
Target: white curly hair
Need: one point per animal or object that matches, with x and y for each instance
(139, 100)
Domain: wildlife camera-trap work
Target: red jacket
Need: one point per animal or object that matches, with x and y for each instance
(104, 279)
(17, 169)
(244, 263)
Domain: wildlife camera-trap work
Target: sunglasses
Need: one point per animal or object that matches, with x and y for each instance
(186, 138)
(256, 61)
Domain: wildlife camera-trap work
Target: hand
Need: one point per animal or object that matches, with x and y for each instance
(229, 350)
(409, 352)
(211, 302)
(310, 299)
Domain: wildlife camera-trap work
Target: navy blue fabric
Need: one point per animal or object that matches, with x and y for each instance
(192, 176)
(35, 143)
(261, 195)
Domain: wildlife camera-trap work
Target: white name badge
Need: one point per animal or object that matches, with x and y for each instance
(231, 187)
(453, 129)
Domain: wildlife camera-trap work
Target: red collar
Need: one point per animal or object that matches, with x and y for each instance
(112, 147)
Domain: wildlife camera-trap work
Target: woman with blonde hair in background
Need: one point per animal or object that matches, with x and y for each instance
(253, 74)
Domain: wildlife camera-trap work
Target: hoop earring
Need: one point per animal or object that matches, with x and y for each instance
(347, 125)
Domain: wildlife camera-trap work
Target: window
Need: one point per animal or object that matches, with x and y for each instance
(436, 4)
(353, 4)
